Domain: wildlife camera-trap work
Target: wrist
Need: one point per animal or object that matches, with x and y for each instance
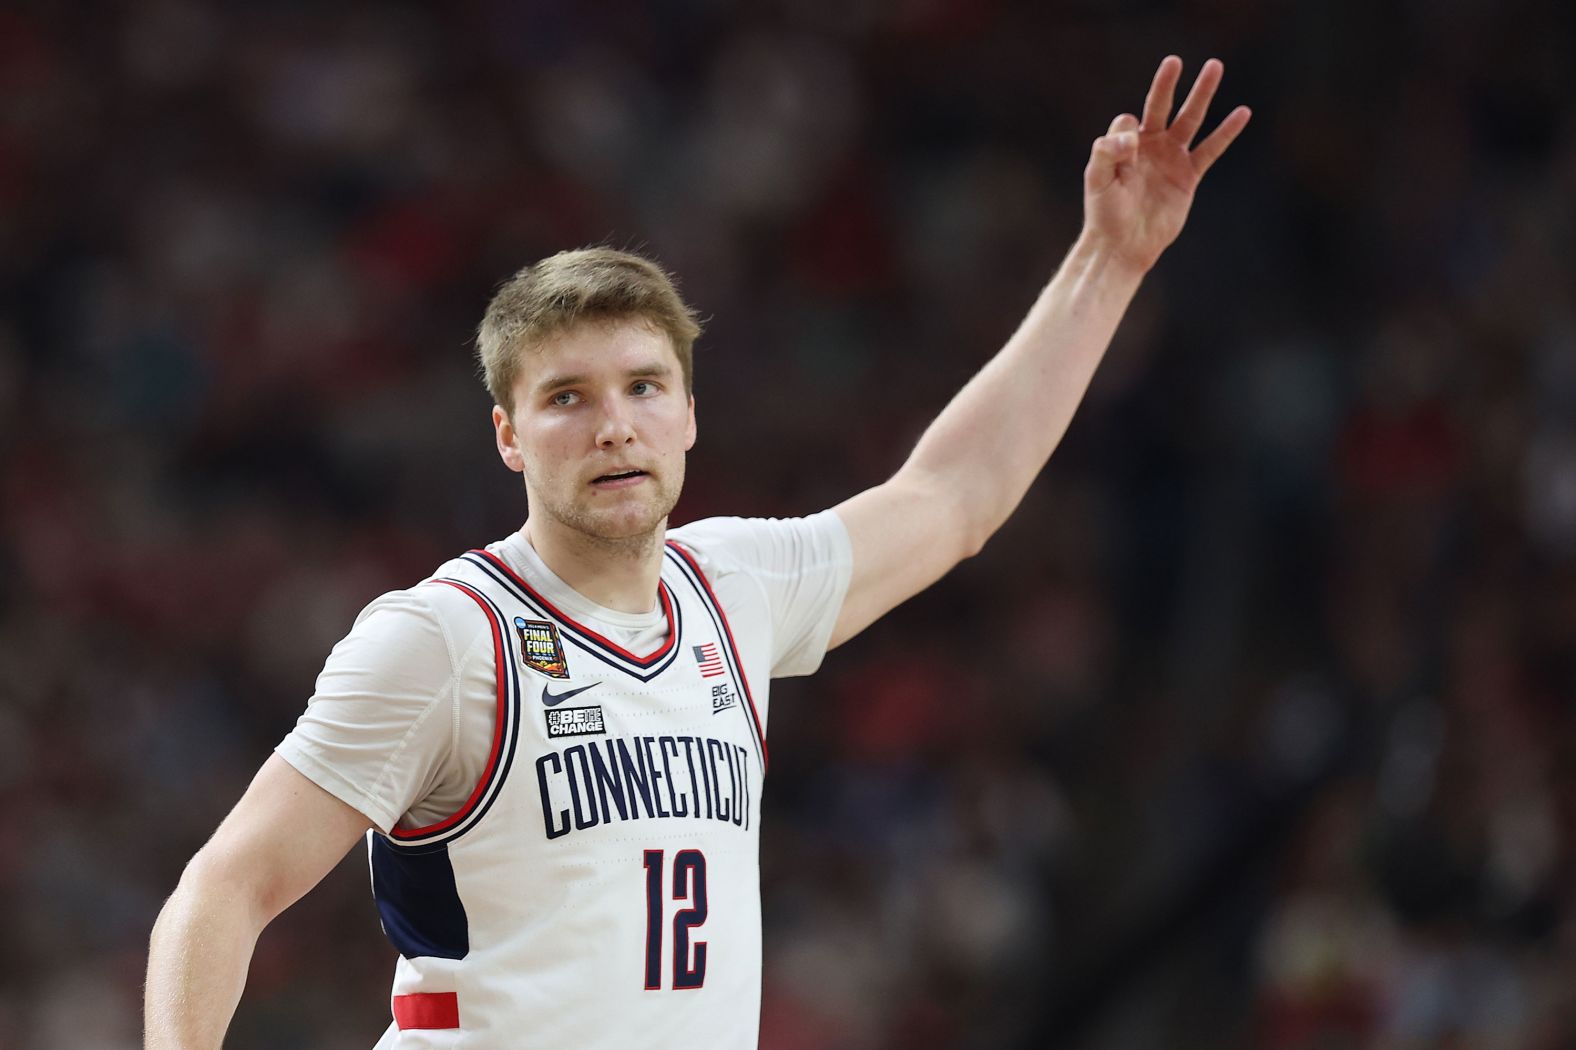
(1096, 256)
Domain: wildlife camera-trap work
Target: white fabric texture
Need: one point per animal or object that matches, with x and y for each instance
(401, 720)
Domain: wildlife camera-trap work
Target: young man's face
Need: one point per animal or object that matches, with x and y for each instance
(600, 428)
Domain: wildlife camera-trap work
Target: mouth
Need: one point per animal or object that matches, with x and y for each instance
(618, 479)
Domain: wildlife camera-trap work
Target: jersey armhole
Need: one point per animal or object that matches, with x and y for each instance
(505, 732)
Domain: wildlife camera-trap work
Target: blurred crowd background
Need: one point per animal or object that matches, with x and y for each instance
(1254, 728)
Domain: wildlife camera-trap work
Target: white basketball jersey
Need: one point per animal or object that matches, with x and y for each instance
(600, 888)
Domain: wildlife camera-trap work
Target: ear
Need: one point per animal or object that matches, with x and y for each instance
(689, 428)
(508, 451)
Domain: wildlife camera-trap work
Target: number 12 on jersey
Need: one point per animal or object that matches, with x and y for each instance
(689, 885)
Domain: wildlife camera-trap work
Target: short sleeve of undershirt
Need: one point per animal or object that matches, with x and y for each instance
(802, 567)
(398, 725)
(382, 730)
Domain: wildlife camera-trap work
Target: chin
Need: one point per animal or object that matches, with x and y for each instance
(623, 524)
(628, 530)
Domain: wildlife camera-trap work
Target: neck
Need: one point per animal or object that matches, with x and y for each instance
(619, 574)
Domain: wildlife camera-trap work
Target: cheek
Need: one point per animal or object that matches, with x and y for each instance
(673, 427)
(544, 448)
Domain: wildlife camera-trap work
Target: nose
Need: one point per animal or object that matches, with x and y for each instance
(615, 428)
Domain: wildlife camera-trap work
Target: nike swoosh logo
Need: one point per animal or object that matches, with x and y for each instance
(554, 699)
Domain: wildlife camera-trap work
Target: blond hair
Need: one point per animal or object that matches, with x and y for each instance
(592, 285)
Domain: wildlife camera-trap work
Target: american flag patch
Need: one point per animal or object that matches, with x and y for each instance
(709, 659)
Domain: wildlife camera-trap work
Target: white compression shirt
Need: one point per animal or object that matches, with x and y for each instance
(401, 720)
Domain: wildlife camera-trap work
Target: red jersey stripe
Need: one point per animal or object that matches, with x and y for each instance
(427, 1010)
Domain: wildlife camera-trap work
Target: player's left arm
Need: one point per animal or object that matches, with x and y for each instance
(977, 459)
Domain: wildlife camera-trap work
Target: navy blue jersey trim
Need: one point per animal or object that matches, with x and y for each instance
(418, 901)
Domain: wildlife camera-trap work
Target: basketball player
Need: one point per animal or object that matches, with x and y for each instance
(557, 742)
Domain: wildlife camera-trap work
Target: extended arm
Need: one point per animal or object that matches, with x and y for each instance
(279, 841)
(975, 462)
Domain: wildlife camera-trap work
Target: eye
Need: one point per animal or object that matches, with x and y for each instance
(643, 388)
(564, 398)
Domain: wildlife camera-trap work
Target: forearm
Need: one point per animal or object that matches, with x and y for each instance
(197, 962)
(990, 442)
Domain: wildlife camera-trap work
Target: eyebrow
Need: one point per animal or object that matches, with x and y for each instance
(654, 370)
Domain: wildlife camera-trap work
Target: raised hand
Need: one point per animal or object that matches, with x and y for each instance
(1141, 176)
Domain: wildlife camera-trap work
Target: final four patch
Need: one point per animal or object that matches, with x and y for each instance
(540, 647)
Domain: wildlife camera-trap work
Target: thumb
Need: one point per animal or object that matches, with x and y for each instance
(1108, 153)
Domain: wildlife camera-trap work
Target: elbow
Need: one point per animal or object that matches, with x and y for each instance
(205, 872)
(955, 517)
(211, 880)
(972, 543)
(975, 516)
(974, 529)
(970, 540)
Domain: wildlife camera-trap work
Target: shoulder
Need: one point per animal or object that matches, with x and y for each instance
(423, 617)
(712, 543)
(786, 576)
(724, 546)
(728, 544)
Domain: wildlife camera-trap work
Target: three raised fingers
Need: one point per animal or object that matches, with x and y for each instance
(1157, 111)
